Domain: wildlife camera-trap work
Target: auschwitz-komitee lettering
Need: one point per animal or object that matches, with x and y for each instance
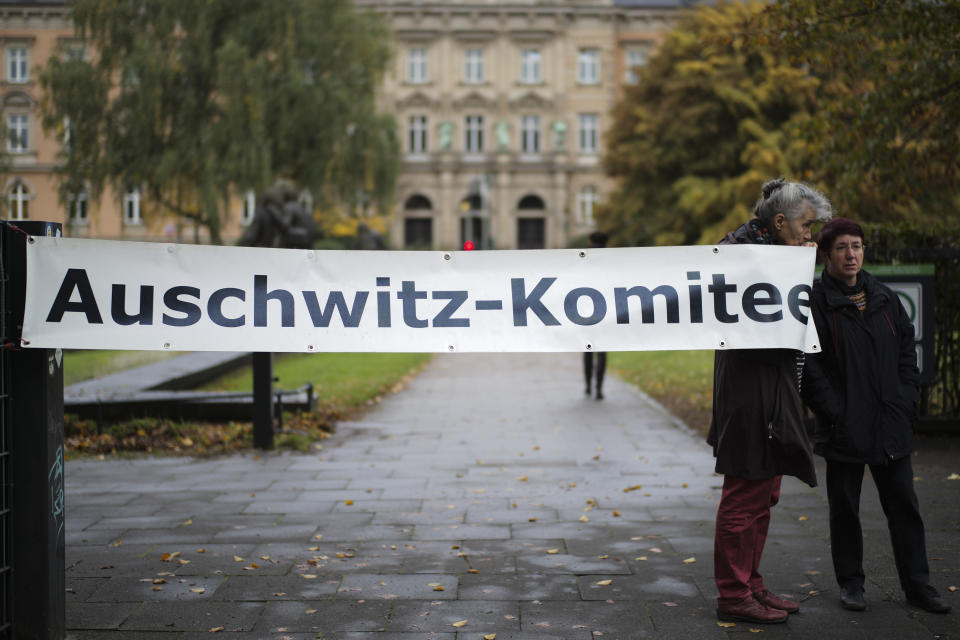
(184, 305)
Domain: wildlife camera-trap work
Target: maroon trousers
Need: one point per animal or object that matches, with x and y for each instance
(743, 518)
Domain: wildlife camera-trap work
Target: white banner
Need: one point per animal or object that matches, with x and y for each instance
(100, 294)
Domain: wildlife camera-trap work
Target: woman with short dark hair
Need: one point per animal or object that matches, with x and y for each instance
(862, 387)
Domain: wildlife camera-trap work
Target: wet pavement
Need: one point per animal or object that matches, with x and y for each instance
(490, 497)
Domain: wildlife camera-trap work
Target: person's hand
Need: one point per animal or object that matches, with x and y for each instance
(811, 243)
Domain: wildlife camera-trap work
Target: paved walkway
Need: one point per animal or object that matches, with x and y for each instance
(491, 497)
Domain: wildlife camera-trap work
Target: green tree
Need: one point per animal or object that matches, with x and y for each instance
(708, 121)
(190, 101)
(887, 131)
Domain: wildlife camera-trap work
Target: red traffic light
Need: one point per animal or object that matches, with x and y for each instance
(468, 245)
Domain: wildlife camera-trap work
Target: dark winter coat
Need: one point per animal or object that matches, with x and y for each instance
(757, 428)
(862, 387)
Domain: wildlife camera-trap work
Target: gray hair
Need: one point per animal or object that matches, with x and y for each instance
(791, 199)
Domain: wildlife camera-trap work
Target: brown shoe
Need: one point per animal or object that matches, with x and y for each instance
(750, 610)
(776, 602)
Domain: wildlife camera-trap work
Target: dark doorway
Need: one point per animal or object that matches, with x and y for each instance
(418, 233)
(531, 233)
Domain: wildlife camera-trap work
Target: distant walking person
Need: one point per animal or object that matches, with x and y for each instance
(862, 387)
(757, 430)
(598, 240)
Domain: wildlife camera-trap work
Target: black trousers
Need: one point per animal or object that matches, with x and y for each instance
(588, 368)
(899, 501)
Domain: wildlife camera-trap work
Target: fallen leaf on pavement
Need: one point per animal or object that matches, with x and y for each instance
(953, 476)
(584, 518)
(642, 558)
(670, 604)
(197, 590)
(216, 629)
(603, 583)
(490, 636)
(461, 623)
(802, 518)
(689, 561)
(726, 625)
(951, 588)
(635, 487)
(553, 552)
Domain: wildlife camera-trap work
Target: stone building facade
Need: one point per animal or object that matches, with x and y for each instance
(501, 104)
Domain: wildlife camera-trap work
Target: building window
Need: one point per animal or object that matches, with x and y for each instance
(77, 208)
(530, 66)
(18, 130)
(131, 207)
(417, 134)
(474, 134)
(586, 203)
(530, 134)
(249, 207)
(473, 69)
(19, 201)
(18, 66)
(417, 66)
(588, 66)
(634, 58)
(588, 132)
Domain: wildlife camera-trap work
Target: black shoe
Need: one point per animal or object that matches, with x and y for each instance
(852, 600)
(929, 600)
(599, 394)
(588, 390)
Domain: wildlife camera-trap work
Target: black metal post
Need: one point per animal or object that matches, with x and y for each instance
(34, 420)
(263, 400)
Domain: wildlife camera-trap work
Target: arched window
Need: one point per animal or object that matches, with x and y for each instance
(18, 199)
(531, 202)
(417, 201)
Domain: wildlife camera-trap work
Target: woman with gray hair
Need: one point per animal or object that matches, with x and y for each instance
(757, 430)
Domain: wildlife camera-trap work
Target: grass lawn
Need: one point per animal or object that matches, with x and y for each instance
(682, 381)
(340, 380)
(84, 364)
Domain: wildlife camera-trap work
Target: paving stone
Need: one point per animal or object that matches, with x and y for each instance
(519, 587)
(617, 620)
(482, 617)
(177, 615)
(183, 589)
(324, 617)
(398, 587)
(258, 588)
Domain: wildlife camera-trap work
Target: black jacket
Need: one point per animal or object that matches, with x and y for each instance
(757, 428)
(862, 386)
